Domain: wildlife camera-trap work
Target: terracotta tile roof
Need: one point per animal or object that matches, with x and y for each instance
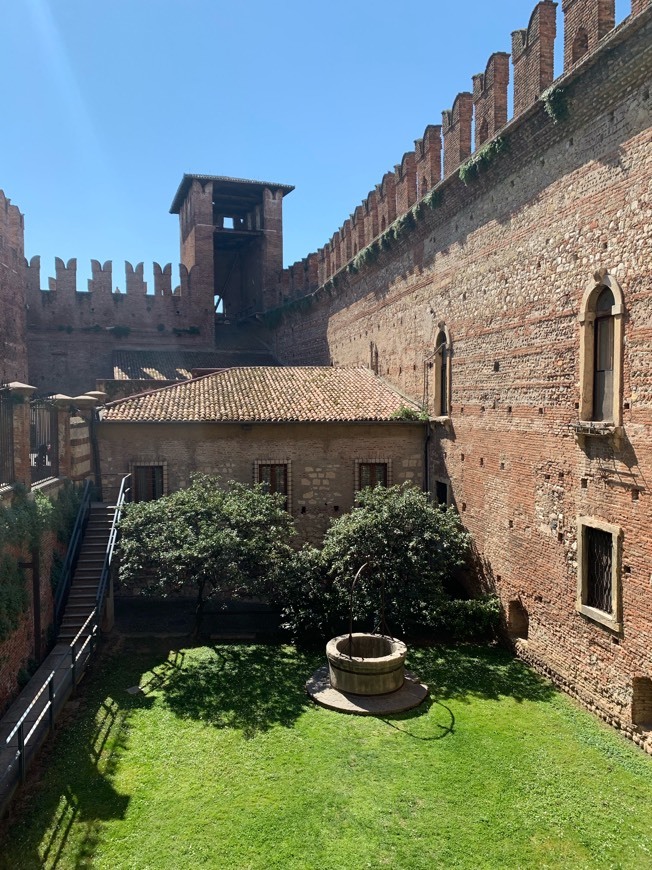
(177, 365)
(267, 394)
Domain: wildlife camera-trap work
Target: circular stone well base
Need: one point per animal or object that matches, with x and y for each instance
(410, 695)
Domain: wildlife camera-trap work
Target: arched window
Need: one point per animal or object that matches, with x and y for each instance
(603, 356)
(601, 351)
(442, 373)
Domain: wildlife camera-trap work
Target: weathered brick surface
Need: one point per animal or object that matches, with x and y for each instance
(322, 458)
(456, 129)
(585, 23)
(490, 98)
(13, 360)
(81, 465)
(533, 55)
(640, 5)
(504, 264)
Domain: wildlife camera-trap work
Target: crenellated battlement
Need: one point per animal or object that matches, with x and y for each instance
(474, 120)
(63, 306)
(533, 52)
(101, 282)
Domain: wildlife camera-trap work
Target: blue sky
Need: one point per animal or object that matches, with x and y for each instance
(108, 102)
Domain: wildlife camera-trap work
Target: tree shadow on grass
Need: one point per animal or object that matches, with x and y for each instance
(252, 688)
(467, 672)
(69, 794)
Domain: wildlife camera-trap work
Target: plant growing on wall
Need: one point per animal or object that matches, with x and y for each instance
(22, 526)
(434, 199)
(482, 159)
(555, 104)
(405, 412)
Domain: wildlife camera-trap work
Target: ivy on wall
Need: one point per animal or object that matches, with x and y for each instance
(396, 231)
(482, 159)
(22, 526)
(555, 104)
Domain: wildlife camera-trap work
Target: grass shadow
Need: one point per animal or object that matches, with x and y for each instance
(252, 688)
(467, 672)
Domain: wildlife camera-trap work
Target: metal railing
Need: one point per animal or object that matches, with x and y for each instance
(19, 727)
(123, 497)
(72, 553)
(43, 439)
(81, 650)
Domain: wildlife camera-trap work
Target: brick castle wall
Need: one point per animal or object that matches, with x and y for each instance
(504, 263)
(71, 335)
(13, 359)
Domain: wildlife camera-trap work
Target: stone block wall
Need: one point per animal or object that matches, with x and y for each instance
(321, 456)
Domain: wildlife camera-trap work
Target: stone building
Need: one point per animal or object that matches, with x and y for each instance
(315, 434)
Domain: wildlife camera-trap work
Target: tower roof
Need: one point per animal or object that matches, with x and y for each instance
(229, 184)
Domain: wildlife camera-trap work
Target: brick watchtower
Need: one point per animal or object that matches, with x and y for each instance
(232, 239)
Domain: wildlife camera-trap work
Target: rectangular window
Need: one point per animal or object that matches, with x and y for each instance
(372, 474)
(147, 482)
(275, 477)
(598, 571)
(599, 568)
(441, 493)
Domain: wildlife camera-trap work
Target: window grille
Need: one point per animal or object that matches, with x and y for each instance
(147, 482)
(599, 561)
(274, 476)
(372, 474)
(43, 440)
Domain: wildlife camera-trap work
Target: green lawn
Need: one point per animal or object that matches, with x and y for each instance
(224, 763)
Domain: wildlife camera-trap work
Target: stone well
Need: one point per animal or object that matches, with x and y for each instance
(366, 664)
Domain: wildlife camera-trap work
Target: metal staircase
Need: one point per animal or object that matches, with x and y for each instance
(82, 598)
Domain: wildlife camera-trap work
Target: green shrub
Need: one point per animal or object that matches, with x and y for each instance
(407, 413)
(465, 620)
(412, 550)
(13, 595)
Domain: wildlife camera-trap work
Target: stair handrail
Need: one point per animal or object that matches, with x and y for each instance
(72, 553)
(123, 496)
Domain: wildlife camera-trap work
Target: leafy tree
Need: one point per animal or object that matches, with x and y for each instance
(410, 548)
(219, 540)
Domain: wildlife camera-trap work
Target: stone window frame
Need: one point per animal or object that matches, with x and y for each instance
(288, 465)
(587, 317)
(377, 460)
(611, 620)
(140, 461)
